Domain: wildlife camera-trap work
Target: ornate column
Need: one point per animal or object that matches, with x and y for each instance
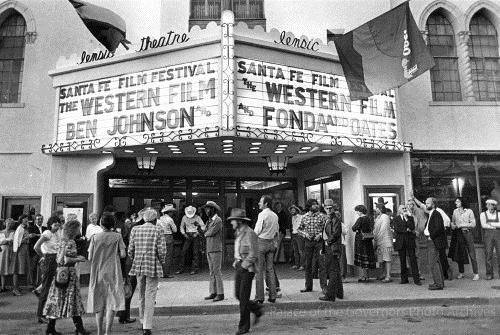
(464, 66)
(227, 96)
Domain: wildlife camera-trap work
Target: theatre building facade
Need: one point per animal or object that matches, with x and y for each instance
(228, 111)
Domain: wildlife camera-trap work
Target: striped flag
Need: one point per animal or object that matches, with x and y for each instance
(383, 53)
(106, 26)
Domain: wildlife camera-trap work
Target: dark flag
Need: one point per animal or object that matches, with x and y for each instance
(384, 53)
(106, 26)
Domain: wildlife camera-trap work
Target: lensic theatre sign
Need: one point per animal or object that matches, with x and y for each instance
(172, 98)
(284, 98)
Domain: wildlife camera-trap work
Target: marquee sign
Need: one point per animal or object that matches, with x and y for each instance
(136, 105)
(288, 99)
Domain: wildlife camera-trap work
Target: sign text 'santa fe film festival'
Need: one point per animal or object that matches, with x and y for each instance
(282, 97)
(163, 99)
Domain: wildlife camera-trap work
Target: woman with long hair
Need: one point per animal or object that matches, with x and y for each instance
(106, 292)
(66, 302)
(6, 255)
(46, 248)
(364, 256)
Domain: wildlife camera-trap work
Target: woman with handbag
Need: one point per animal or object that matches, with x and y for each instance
(46, 248)
(64, 299)
(106, 287)
(364, 256)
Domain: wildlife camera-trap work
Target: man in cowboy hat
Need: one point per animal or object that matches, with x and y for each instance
(166, 222)
(491, 224)
(191, 225)
(213, 235)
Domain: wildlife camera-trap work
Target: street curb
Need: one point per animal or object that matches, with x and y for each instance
(325, 305)
(300, 306)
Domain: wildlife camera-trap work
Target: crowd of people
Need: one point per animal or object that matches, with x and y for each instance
(135, 252)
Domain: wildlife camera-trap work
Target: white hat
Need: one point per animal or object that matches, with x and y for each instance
(149, 214)
(190, 211)
(168, 208)
(492, 201)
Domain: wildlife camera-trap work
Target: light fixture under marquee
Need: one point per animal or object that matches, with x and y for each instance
(277, 164)
(146, 163)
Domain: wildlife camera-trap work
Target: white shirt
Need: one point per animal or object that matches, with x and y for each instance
(296, 223)
(167, 224)
(267, 224)
(426, 230)
(92, 229)
(464, 218)
(446, 218)
(490, 216)
(50, 246)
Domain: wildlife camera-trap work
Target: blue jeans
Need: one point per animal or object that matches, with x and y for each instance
(265, 266)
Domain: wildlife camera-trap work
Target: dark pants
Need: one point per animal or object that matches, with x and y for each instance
(410, 252)
(311, 250)
(443, 259)
(298, 250)
(334, 289)
(36, 273)
(48, 269)
(125, 315)
(491, 241)
(434, 256)
(169, 238)
(242, 290)
(191, 242)
(469, 244)
(343, 261)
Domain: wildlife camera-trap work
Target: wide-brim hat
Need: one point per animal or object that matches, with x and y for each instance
(190, 211)
(380, 200)
(380, 205)
(213, 205)
(168, 208)
(296, 208)
(238, 214)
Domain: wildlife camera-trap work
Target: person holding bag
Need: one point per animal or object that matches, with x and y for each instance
(64, 299)
(364, 256)
(106, 288)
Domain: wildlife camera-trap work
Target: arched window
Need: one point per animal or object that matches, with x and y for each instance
(445, 79)
(485, 61)
(12, 40)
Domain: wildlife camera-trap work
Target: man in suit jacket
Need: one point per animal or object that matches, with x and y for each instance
(332, 237)
(148, 251)
(35, 230)
(213, 235)
(404, 228)
(436, 245)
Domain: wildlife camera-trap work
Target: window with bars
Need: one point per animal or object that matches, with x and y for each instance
(485, 60)
(12, 41)
(445, 79)
(211, 9)
(205, 9)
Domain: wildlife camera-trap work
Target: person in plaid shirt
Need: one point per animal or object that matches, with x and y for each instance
(147, 250)
(311, 227)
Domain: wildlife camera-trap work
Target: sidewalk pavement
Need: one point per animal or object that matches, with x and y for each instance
(184, 295)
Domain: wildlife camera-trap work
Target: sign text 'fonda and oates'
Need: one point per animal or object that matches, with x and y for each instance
(276, 96)
(155, 100)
